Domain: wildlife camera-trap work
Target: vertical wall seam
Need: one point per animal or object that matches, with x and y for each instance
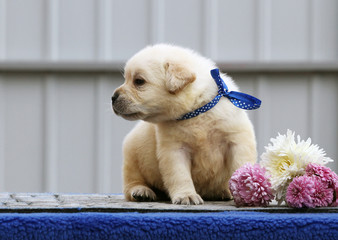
(98, 163)
(311, 106)
(255, 119)
(103, 139)
(100, 55)
(3, 54)
(3, 29)
(158, 21)
(258, 32)
(263, 118)
(52, 30)
(101, 161)
(50, 103)
(263, 30)
(311, 30)
(210, 31)
(104, 30)
(263, 53)
(149, 21)
(2, 136)
(51, 135)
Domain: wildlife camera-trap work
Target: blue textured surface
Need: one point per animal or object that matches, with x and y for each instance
(225, 225)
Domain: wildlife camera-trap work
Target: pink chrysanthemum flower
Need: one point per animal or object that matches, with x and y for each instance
(322, 172)
(323, 195)
(308, 191)
(299, 192)
(250, 186)
(327, 176)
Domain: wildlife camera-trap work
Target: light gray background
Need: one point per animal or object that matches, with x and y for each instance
(57, 131)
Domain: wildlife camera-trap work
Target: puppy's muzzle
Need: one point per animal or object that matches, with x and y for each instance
(114, 97)
(120, 104)
(124, 107)
(114, 100)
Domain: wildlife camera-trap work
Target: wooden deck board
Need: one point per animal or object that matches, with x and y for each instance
(58, 202)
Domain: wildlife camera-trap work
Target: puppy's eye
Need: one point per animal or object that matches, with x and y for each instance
(138, 82)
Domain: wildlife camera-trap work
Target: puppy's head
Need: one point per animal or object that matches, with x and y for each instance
(160, 84)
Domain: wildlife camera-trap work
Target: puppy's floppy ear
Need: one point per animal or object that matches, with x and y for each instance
(177, 77)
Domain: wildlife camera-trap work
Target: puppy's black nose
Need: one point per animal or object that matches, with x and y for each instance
(114, 97)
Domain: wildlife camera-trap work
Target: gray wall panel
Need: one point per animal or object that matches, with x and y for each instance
(23, 146)
(290, 30)
(131, 29)
(323, 114)
(324, 30)
(77, 38)
(236, 30)
(24, 29)
(76, 136)
(183, 23)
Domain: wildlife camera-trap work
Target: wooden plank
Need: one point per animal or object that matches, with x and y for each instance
(58, 202)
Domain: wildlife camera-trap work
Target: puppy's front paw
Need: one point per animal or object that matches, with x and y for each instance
(187, 199)
(142, 194)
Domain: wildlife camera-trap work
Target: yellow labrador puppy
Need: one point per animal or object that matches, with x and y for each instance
(189, 160)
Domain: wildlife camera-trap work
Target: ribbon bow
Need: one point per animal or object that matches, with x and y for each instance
(240, 100)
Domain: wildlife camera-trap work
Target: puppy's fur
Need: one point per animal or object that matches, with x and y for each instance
(188, 159)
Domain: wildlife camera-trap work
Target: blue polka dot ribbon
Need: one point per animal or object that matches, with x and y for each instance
(240, 100)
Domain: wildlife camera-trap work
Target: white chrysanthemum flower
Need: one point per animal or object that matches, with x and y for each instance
(285, 159)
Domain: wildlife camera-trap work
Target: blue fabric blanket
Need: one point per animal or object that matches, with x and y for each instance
(219, 225)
